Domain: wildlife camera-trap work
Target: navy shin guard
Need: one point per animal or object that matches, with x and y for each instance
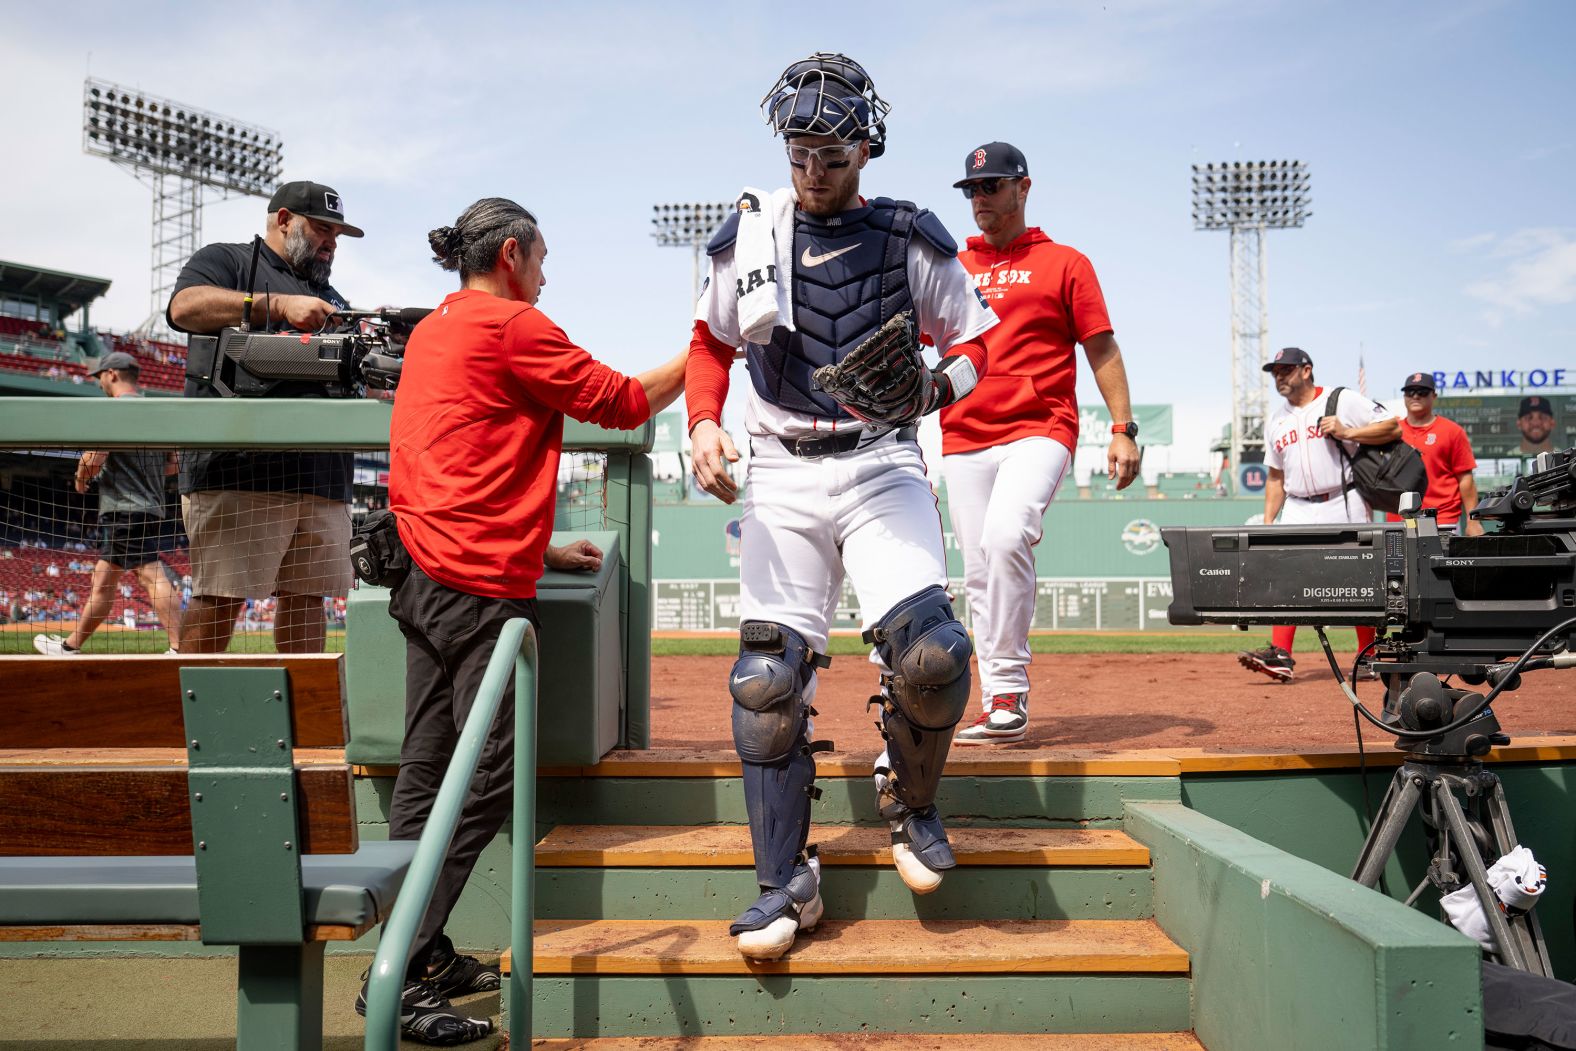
(777, 797)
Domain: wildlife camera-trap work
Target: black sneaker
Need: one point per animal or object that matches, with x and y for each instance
(1271, 660)
(426, 1017)
(463, 975)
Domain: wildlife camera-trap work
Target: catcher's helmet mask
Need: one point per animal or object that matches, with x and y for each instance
(827, 94)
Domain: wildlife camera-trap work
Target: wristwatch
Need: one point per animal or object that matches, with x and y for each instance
(1130, 428)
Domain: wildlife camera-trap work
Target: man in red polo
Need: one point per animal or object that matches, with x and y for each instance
(1447, 453)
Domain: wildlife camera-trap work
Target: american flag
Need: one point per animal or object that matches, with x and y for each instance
(1362, 375)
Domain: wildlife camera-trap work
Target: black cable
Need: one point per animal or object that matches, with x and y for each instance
(1418, 735)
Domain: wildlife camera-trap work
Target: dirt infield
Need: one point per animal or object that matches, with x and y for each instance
(1108, 703)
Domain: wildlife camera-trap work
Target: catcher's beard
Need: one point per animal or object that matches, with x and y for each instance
(828, 191)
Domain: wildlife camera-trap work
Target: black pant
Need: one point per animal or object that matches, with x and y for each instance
(449, 638)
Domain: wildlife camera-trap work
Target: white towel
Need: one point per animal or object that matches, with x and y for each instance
(1518, 881)
(763, 262)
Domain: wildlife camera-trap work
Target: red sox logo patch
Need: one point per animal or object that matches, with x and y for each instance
(1430, 439)
(979, 159)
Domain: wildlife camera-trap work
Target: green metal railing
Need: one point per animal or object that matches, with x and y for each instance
(514, 653)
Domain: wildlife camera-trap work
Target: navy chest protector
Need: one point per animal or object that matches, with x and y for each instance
(850, 276)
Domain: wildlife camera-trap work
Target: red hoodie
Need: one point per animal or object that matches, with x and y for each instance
(1049, 301)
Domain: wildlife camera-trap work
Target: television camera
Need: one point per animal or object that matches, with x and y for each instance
(366, 354)
(1482, 609)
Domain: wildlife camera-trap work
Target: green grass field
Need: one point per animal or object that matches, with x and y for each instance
(14, 639)
(18, 638)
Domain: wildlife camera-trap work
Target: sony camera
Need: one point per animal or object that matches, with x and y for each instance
(366, 354)
(1446, 604)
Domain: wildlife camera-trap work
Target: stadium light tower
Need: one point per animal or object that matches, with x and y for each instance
(179, 151)
(688, 225)
(1247, 198)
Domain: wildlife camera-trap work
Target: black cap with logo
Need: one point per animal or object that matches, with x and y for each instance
(315, 201)
(1535, 403)
(994, 160)
(1289, 356)
(1420, 380)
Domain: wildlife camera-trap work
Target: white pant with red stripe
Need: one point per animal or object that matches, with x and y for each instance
(997, 498)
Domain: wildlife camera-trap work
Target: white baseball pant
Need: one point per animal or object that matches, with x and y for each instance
(869, 513)
(997, 498)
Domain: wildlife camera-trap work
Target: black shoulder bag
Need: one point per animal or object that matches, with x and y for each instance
(1381, 473)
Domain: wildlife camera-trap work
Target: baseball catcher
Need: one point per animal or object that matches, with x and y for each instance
(827, 293)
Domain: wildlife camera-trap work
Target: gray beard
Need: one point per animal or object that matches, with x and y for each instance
(302, 257)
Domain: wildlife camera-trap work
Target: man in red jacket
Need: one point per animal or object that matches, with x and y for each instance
(474, 442)
(1006, 449)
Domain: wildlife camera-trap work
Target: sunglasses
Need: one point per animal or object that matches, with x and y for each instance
(1416, 392)
(983, 186)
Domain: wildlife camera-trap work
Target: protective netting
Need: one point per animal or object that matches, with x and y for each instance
(144, 550)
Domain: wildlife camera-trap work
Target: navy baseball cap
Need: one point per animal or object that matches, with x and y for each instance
(1420, 379)
(1534, 403)
(1289, 356)
(115, 359)
(994, 160)
(315, 201)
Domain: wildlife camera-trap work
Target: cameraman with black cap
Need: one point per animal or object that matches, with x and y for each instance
(275, 523)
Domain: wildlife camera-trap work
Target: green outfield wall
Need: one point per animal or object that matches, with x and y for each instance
(1101, 563)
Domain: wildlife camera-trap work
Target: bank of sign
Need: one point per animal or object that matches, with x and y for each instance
(1496, 379)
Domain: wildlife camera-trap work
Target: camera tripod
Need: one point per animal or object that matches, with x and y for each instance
(1431, 777)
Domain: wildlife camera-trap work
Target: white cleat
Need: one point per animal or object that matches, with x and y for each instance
(916, 876)
(777, 937)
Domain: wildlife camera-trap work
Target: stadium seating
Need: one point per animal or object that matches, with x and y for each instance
(15, 326)
(1184, 485)
(163, 364)
(27, 569)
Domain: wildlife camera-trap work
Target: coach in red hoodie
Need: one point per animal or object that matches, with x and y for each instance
(1008, 446)
(476, 434)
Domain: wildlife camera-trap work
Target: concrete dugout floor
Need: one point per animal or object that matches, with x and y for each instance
(131, 1003)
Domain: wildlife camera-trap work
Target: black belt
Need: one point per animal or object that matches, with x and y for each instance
(1322, 497)
(814, 447)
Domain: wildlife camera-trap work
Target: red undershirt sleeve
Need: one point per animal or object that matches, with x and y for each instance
(706, 375)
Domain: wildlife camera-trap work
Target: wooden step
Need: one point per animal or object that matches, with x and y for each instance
(684, 846)
(885, 1042)
(879, 947)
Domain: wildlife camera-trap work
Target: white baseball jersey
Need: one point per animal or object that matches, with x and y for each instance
(946, 306)
(1309, 461)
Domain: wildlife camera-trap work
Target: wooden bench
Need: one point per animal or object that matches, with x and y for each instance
(191, 799)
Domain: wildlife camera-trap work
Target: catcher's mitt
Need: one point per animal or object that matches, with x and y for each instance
(883, 380)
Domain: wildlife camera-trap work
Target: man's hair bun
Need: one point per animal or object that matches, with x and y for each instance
(445, 242)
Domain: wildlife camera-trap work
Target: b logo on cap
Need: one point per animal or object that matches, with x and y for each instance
(331, 202)
(979, 159)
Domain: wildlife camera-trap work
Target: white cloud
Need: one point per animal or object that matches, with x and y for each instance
(1537, 270)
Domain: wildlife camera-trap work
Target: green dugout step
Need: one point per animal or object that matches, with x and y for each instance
(888, 1042)
(693, 873)
(657, 978)
(683, 846)
(879, 948)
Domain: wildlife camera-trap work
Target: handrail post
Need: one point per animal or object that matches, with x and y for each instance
(522, 908)
(513, 654)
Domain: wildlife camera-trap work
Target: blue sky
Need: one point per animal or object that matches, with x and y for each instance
(1440, 138)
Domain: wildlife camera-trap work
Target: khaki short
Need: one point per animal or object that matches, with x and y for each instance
(252, 545)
